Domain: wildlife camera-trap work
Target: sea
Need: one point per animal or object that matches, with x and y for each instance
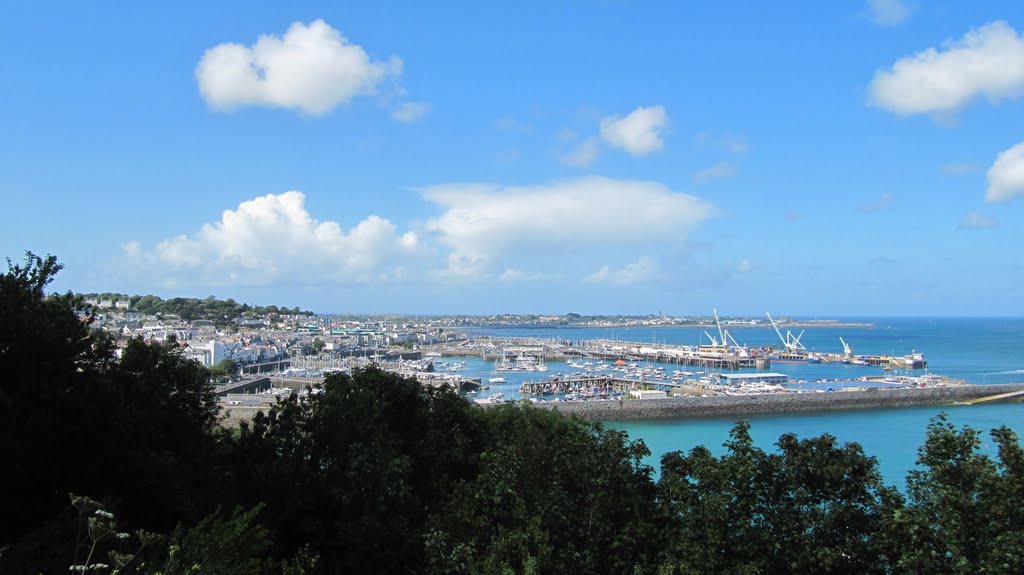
(977, 350)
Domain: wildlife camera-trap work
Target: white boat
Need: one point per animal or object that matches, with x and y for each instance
(496, 380)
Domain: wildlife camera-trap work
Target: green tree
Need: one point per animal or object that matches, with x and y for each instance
(554, 494)
(51, 362)
(963, 509)
(224, 369)
(813, 507)
(355, 471)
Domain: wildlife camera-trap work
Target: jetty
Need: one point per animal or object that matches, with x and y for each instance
(783, 403)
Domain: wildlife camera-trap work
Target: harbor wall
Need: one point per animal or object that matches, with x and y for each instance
(779, 403)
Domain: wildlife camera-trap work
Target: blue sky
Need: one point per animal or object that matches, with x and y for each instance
(805, 158)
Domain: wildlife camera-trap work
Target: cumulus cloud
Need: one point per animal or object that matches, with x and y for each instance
(275, 238)
(719, 171)
(311, 68)
(483, 223)
(410, 112)
(975, 220)
(639, 133)
(987, 61)
(642, 270)
(1006, 176)
(888, 12)
(584, 155)
(882, 203)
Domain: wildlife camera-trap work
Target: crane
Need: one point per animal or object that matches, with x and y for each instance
(791, 342)
(847, 350)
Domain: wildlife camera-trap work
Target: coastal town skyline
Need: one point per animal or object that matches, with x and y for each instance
(607, 158)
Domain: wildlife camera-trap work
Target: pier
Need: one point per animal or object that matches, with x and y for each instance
(779, 403)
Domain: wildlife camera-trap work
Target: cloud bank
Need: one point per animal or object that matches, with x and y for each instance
(639, 133)
(642, 270)
(987, 61)
(274, 238)
(483, 224)
(1006, 176)
(311, 68)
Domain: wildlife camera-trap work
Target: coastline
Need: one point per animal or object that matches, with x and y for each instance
(788, 403)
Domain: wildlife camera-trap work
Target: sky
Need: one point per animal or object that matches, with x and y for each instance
(820, 159)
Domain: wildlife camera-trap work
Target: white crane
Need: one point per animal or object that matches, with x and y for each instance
(847, 350)
(791, 342)
(721, 335)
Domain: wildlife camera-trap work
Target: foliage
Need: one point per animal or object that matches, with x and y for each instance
(190, 309)
(224, 369)
(554, 494)
(51, 363)
(813, 507)
(963, 510)
(356, 470)
(232, 545)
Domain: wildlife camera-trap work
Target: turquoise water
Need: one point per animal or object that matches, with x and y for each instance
(979, 350)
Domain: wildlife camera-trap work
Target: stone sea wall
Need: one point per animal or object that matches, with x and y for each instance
(732, 405)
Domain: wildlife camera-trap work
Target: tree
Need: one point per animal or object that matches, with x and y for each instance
(51, 361)
(814, 507)
(554, 494)
(963, 509)
(355, 471)
(138, 434)
(224, 369)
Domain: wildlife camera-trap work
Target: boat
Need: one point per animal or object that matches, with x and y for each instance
(496, 380)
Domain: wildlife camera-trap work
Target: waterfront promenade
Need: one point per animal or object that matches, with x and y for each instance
(778, 403)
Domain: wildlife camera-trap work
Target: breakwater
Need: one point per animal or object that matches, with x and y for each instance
(775, 403)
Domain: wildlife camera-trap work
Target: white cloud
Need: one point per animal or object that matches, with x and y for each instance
(410, 112)
(1006, 176)
(642, 270)
(975, 220)
(584, 155)
(518, 275)
(274, 238)
(719, 171)
(639, 133)
(987, 61)
(744, 266)
(888, 12)
(484, 223)
(311, 68)
(882, 203)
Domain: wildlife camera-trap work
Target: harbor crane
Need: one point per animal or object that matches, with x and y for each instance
(724, 337)
(792, 342)
(847, 350)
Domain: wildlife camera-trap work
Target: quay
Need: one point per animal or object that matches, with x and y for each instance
(782, 403)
